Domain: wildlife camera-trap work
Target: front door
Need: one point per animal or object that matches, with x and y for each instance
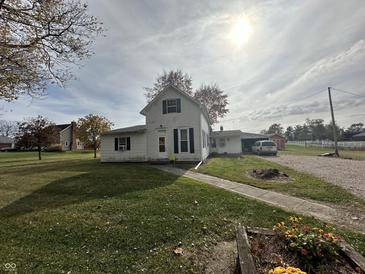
(162, 148)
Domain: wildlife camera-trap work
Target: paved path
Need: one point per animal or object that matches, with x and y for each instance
(286, 202)
(349, 174)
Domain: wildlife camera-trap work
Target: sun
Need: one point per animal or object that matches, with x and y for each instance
(241, 31)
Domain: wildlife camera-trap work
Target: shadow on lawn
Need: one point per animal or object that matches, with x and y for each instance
(98, 182)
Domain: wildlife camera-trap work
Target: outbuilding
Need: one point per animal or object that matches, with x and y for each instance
(279, 140)
(6, 143)
(248, 140)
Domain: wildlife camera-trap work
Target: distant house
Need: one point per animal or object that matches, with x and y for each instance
(67, 137)
(6, 143)
(279, 140)
(359, 137)
(177, 127)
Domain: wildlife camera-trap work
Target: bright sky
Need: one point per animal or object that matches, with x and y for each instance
(275, 60)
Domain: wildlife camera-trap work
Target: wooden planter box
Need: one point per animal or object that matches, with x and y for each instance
(245, 260)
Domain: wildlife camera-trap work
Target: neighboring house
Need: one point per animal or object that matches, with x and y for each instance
(177, 127)
(6, 143)
(359, 137)
(67, 137)
(279, 140)
(233, 141)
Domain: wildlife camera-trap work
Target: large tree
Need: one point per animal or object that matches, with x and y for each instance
(214, 99)
(274, 128)
(40, 41)
(175, 78)
(289, 133)
(36, 132)
(8, 128)
(90, 129)
(317, 128)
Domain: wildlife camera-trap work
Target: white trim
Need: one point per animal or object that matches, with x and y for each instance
(187, 137)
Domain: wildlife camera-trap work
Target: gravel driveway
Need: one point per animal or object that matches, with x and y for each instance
(349, 174)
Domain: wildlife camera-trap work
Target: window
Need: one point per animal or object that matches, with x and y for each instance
(123, 144)
(66, 143)
(268, 144)
(184, 140)
(161, 144)
(203, 137)
(213, 142)
(222, 142)
(171, 106)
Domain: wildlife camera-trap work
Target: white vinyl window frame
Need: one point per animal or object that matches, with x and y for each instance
(187, 140)
(171, 105)
(122, 143)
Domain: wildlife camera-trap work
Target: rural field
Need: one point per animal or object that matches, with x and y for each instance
(70, 213)
(314, 151)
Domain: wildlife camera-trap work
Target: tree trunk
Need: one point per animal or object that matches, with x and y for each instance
(39, 153)
(94, 149)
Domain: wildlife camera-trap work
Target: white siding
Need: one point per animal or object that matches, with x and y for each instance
(232, 145)
(137, 153)
(65, 138)
(157, 121)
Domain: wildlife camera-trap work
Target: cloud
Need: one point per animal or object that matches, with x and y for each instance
(297, 49)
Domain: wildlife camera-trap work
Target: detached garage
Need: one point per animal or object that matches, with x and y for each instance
(248, 139)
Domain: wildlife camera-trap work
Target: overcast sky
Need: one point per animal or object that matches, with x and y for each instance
(280, 74)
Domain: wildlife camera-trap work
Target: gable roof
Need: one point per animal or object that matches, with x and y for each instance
(361, 134)
(247, 135)
(183, 93)
(276, 135)
(132, 129)
(62, 126)
(226, 133)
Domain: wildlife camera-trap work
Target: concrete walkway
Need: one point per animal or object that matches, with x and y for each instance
(289, 203)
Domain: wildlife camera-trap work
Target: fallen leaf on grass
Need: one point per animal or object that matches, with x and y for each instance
(178, 251)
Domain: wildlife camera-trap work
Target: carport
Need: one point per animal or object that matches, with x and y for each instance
(248, 139)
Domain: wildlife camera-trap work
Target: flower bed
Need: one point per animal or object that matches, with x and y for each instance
(293, 247)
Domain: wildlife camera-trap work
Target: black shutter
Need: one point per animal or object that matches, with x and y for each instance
(178, 105)
(115, 144)
(164, 107)
(191, 139)
(176, 141)
(128, 143)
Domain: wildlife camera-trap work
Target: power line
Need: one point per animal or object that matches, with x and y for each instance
(348, 92)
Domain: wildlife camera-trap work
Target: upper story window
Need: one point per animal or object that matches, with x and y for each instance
(171, 106)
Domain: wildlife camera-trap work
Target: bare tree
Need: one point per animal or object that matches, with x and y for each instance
(8, 128)
(90, 129)
(175, 78)
(40, 40)
(36, 132)
(213, 98)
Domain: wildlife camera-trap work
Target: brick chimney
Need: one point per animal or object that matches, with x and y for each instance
(221, 128)
(73, 145)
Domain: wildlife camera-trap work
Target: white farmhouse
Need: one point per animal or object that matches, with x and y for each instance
(177, 127)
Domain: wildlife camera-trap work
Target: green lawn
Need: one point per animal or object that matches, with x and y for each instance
(314, 151)
(302, 184)
(69, 212)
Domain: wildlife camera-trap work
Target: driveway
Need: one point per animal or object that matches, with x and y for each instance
(349, 174)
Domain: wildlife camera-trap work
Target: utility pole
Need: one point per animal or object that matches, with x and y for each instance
(333, 122)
